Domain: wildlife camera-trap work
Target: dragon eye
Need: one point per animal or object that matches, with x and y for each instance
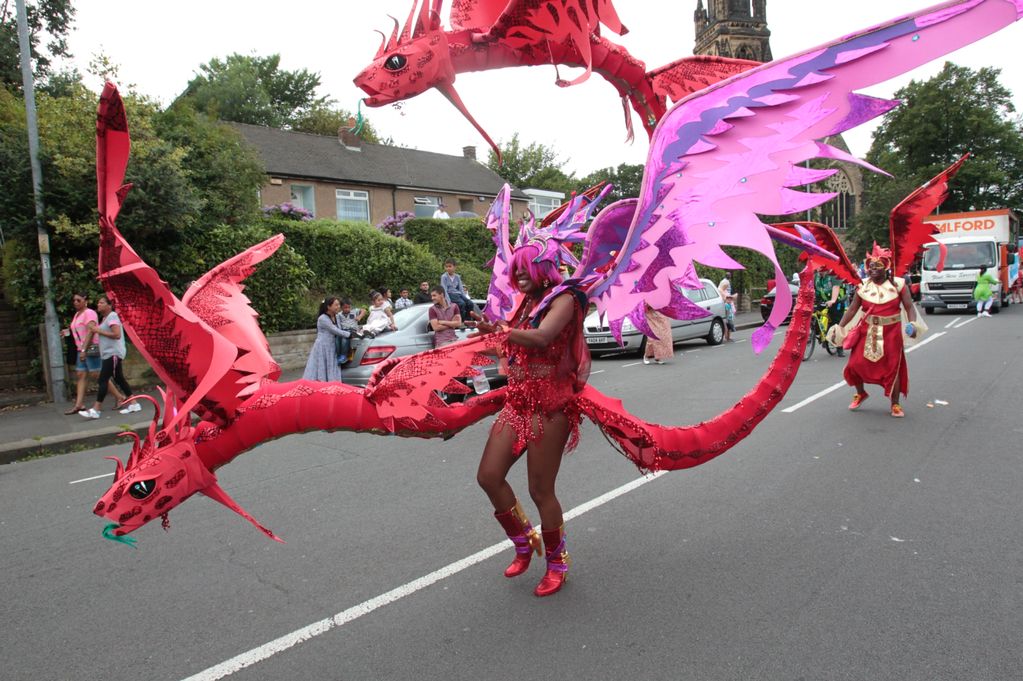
(142, 489)
(396, 62)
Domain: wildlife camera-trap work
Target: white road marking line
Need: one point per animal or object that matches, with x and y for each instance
(831, 389)
(952, 323)
(95, 477)
(598, 371)
(311, 631)
(626, 366)
(962, 324)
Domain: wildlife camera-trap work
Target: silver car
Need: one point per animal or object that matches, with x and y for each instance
(710, 328)
(413, 336)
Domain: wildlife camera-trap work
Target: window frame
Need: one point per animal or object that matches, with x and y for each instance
(352, 195)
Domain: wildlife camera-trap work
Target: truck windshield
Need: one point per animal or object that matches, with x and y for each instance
(961, 256)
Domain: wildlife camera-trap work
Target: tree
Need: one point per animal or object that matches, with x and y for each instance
(627, 179)
(957, 111)
(49, 18)
(253, 90)
(328, 118)
(533, 167)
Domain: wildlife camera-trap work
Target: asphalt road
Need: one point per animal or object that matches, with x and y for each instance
(828, 545)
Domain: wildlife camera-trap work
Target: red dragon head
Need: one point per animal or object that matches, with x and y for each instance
(162, 471)
(411, 63)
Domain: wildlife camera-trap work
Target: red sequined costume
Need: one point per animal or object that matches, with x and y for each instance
(878, 356)
(545, 381)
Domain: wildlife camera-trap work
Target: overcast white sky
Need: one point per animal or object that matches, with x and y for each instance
(160, 45)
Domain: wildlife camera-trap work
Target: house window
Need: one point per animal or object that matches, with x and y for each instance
(352, 205)
(425, 205)
(542, 202)
(302, 197)
(466, 205)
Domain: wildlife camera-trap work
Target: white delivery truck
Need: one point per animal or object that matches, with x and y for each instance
(979, 239)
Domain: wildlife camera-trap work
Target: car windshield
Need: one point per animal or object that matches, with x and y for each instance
(961, 256)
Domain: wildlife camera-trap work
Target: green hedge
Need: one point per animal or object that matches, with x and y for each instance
(466, 240)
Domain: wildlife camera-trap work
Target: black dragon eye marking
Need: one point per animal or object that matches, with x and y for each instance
(396, 62)
(142, 489)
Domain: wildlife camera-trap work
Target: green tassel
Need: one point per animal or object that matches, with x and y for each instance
(359, 120)
(108, 533)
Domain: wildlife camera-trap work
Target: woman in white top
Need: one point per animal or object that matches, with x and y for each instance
(111, 351)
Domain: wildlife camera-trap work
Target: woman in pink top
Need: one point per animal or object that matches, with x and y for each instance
(84, 337)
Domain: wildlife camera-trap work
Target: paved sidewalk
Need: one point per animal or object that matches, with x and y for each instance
(44, 429)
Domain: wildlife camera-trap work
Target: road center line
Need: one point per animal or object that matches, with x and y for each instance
(952, 323)
(315, 629)
(95, 477)
(626, 366)
(598, 371)
(840, 384)
(962, 324)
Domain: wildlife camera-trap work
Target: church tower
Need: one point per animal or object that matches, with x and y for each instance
(733, 28)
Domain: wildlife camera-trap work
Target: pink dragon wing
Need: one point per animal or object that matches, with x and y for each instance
(501, 297)
(187, 355)
(907, 230)
(732, 151)
(217, 299)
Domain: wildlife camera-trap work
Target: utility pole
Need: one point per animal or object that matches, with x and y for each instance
(54, 345)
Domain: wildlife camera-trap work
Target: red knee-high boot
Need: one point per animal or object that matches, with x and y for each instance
(557, 563)
(522, 533)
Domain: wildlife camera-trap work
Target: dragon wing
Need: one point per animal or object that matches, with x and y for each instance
(188, 356)
(688, 75)
(730, 152)
(520, 23)
(825, 237)
(907, 230)
(217, 299)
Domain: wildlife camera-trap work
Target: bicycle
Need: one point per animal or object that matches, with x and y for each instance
(819, 323)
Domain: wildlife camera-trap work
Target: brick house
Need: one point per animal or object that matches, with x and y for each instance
(348, 179)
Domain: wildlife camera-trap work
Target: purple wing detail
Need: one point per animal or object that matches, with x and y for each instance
(500, 296)
(732, 151)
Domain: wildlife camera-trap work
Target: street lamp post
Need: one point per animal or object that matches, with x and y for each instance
(53, 341)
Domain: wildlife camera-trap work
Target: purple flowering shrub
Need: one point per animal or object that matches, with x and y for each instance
(288, 211)
(395, 224)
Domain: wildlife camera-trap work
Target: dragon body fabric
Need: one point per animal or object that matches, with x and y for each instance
(717, 159)
(494, 34)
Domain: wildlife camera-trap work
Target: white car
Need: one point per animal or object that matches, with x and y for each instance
(710, 328)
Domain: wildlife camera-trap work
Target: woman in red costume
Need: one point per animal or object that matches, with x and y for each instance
(548, 364)
(877, 353)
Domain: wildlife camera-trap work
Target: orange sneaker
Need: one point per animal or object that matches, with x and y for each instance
(859, 399)
(897, 412)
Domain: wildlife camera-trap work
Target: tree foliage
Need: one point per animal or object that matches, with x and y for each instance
(627, 179)
(48, 20)
(535, 166)
(957, 111)
(327, 118)
(251, 89)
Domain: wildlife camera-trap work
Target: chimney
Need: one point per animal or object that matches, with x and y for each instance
(348, 138)
(469, 153)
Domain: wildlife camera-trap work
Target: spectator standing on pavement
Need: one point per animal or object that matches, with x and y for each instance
(725, 290)
(112, 350)
(423, 294)
(831, 294)
(451, 282)
(660, 348)
(983, 293)
(322, 363)
(88, 362)
(444, 318)
(403, 300)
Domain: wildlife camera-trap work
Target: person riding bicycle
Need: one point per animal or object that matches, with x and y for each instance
(830, 293)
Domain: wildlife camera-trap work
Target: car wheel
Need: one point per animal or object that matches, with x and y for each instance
(642, 347)
(717, 332)
(928, 310)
